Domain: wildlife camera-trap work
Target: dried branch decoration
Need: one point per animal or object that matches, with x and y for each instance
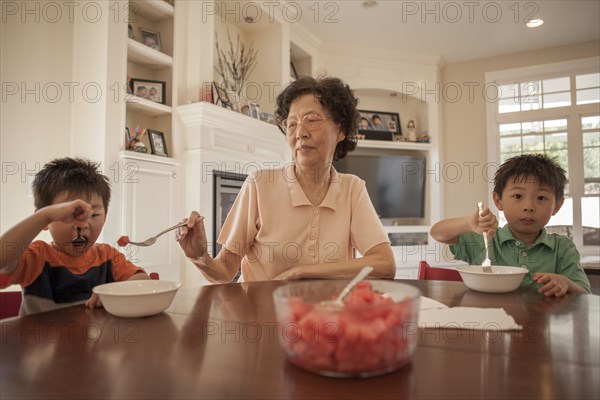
(235, 65)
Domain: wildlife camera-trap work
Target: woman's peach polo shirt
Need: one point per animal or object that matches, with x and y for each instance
(274, 227)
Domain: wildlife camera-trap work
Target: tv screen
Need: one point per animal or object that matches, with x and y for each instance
(396, 184)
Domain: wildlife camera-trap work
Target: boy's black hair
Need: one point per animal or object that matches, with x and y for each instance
(539, 166)
(76, 176)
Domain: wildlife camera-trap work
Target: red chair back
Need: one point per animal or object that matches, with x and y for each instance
(10, 303)
(429, 273)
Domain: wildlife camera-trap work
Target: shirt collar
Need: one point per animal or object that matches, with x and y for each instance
(299, 198)
(505, 235)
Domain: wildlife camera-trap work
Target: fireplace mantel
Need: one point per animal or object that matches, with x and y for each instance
(234, 136)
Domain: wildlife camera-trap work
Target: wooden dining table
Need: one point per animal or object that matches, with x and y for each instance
(221, 341)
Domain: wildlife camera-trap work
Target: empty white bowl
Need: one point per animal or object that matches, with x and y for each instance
(503, 279)
(137, 298)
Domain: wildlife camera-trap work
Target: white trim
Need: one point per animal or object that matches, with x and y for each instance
(536, 71)
(572, 113)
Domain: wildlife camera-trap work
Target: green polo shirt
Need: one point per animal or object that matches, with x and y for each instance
(550, 253)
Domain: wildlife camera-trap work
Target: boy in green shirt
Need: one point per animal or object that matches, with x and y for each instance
(530, 190)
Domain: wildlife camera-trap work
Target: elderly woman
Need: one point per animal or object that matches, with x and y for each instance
(304, 220)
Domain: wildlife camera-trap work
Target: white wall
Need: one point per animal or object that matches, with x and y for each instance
(35, 114)
(59, 61)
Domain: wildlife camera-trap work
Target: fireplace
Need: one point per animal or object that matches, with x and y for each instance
(226, 186)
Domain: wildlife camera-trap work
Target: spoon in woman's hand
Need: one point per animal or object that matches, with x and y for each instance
(338, 302)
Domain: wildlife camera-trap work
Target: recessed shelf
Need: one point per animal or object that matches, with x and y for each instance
(145, 106)
(154, 10)
(385, 144)
(142, 54)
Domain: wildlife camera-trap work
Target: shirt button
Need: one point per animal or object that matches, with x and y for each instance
(524, 253)
(312, 237)
(524, 266)
(316, 211)
(314, 225)
(517, 243)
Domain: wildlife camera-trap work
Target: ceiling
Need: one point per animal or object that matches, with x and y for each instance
(449, 31)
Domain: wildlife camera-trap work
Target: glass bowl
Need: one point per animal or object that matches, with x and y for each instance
(375, 332)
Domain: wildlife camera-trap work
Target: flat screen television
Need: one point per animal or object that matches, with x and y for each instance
(396, 183)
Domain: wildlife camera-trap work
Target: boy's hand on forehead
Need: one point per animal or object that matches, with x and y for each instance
(76, 212)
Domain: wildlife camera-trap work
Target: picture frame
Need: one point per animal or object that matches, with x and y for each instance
(130, 32)
(151, 90)
(222, 96)
(379, 125)
(245, 109)
(207, 93)
(254, 110)
(158, 145)
(128, 135)
(150, 38)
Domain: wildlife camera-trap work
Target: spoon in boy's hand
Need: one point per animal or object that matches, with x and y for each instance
(78, 239)
(487, 263)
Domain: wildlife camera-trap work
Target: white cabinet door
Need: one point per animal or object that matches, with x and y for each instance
(150, 205)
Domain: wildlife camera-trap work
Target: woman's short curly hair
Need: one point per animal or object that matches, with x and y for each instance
(335, 96)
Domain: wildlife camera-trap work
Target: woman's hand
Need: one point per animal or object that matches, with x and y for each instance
(192, 237)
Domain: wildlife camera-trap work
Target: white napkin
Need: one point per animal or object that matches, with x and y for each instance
(433, 314)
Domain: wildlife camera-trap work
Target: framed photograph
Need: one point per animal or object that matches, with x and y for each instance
(150, 38)
(128, 136)
(222, 96)
(245, 109)
(379, 125)
(151, 90)
(254, 110)
(293, 73)
(157, 143)
(206, 92)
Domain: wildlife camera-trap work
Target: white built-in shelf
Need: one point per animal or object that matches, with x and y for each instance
(141, 54)
(154, 10)
(147, 107)
(386, 144)
(134, 155)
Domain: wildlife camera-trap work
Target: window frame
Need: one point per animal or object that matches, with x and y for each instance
(572, 114)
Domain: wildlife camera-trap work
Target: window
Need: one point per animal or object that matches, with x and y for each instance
(555, 110)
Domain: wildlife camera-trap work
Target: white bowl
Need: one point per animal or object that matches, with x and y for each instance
(503, 279)
(137, 298)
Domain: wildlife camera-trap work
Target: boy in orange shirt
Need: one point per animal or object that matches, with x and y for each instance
(71, 199)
